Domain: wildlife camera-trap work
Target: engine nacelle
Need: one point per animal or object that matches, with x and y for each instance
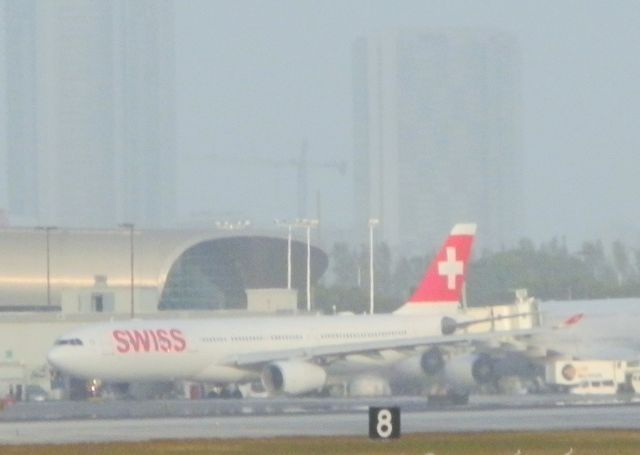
(293, 378)
(467, 370)
(432, 362)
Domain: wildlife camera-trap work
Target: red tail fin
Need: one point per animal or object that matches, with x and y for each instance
(444, 280)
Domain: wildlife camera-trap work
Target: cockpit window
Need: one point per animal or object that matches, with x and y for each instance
(69, 341)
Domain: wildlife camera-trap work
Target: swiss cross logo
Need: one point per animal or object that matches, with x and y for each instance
(450, 268)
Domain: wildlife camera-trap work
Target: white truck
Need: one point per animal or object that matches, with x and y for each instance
(594, 377)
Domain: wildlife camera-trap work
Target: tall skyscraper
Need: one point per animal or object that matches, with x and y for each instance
(19, 113)
(90, 130)
(437, 135)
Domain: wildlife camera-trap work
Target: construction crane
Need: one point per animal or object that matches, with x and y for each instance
(301, 164)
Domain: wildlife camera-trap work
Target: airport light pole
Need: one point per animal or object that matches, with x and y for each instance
(47, 230)
(373, 222)
(289, 226)
(308, 224)
(130, 227)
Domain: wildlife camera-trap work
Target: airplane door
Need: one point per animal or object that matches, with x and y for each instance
(108, 344)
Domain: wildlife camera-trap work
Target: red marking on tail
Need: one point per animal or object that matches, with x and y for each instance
(444, 279)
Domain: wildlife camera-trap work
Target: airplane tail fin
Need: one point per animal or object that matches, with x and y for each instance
(443, 282)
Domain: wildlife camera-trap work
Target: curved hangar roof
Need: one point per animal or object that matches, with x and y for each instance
(187, 269)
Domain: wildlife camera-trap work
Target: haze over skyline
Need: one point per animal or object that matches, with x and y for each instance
(254, 79)
(272, 73)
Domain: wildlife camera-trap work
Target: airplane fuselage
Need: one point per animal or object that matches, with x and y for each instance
(208, 350)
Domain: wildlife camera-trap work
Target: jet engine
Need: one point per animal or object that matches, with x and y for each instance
(293, 378)
(467, 370)
(432, 361)
(462, 370)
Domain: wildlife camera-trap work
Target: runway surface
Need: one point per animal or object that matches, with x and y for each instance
(343, 424)
(130, 409)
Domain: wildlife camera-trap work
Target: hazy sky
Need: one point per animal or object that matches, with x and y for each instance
(256, 77)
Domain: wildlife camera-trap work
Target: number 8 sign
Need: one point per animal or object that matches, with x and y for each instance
(384, 423)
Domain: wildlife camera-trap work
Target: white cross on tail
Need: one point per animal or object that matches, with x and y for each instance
(450, 268)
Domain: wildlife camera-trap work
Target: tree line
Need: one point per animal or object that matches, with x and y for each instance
(548, 271)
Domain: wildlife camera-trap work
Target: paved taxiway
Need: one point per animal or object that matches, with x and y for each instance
(251, 426)
(128, 409)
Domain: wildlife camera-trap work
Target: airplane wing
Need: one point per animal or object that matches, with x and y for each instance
(370, 347)
(260, 358)
(537, 345)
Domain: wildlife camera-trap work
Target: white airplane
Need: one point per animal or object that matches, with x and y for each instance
(289, 354)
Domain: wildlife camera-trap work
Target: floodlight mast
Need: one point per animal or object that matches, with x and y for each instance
(308, 224)
(289, 226)
(47, 230)
(131, 227)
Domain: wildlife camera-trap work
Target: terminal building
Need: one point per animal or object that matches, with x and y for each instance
(53, 280)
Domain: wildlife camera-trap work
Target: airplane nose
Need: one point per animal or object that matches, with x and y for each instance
(56, 357)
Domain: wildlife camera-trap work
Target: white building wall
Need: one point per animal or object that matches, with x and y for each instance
(24, 345)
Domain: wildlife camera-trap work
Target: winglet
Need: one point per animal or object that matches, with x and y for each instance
(573, 320)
